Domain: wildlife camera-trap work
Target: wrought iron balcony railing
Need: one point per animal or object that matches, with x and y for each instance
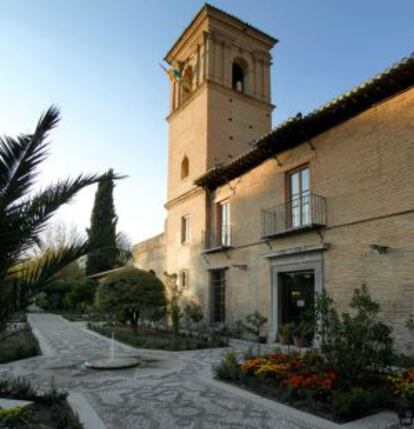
(219, 239)
(305, 212)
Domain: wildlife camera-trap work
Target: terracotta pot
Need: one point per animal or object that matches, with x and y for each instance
(299, 342)
(283, 339)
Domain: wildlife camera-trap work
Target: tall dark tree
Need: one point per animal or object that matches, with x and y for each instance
(102, 232)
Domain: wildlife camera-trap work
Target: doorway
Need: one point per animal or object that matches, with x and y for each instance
(295, 282)
(218, 296)
(296, 295)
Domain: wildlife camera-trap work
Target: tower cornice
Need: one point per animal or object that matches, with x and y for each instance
(212, 14)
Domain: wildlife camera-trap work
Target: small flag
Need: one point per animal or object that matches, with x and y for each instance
(172, 73)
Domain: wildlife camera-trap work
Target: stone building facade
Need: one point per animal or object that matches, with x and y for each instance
(261, 219)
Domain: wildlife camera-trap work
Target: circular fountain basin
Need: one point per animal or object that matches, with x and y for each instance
(115, 363)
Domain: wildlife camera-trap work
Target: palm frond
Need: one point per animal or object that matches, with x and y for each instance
(34, 275)
(23, 216)
(20, 157)
(124, 249)
(20, 226)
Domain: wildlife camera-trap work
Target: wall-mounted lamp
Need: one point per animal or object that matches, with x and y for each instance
(379, 250)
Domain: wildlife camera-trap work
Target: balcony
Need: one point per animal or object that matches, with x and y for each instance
(303, 213)
(217, 240)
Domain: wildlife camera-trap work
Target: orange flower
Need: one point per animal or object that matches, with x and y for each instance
(319, 382)
(252, 365)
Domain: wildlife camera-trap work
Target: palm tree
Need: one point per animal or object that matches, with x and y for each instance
(24, 214)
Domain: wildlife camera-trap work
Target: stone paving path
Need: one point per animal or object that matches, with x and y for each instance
(173, 390)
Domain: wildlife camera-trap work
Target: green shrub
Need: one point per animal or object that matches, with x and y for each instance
(354, 343)
(402, 360)
(49, 409)
(217, 339)
(53, 394)
(53, 298)
(20, 345)
(254, 323)
(67, 295)
(131, 295)
(14, 418)
(193, 313)
(17, 387)
(175, 292)
(80, 296)
(228, 368)
(236, 330)
(162, 340)
(351, 404)
(285, 332)
(313, 359)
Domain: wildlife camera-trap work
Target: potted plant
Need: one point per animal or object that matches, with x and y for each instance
(302, 331)
(285, 333)
(299, 335)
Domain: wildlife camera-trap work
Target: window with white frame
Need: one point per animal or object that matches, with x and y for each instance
(223, 224)
(299, 194)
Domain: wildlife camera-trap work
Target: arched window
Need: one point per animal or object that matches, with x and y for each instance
(239, 71)
(185, 167)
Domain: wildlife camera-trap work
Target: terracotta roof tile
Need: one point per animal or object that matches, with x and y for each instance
(298, 129)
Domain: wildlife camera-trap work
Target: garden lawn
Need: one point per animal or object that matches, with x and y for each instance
(19, 345)
(151, 338)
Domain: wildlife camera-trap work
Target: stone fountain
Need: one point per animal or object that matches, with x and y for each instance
(113, 362)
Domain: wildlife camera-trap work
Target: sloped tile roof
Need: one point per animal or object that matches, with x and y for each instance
(298, 129)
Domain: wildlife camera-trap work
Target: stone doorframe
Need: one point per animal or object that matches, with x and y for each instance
(282, 264)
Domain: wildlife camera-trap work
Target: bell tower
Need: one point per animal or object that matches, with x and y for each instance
(219, 104)
(219, 95)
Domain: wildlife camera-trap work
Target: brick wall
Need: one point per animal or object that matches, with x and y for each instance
(365, 170)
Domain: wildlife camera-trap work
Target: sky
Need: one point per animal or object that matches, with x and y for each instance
(97, 60)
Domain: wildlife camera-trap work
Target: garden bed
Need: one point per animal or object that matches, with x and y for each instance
(304, 381)
(81, 317)
(19, 344)
(152, 338)
(48, 411)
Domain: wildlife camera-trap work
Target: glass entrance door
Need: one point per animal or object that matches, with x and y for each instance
(296, 295)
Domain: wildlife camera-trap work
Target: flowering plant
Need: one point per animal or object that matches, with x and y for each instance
(252, 365)
(298, 372)
(319, 382)
(276, 364)
(403, 384)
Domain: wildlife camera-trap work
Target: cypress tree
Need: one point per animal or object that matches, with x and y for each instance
(102, 232)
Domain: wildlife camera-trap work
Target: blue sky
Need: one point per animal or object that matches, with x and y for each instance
(98, 61)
